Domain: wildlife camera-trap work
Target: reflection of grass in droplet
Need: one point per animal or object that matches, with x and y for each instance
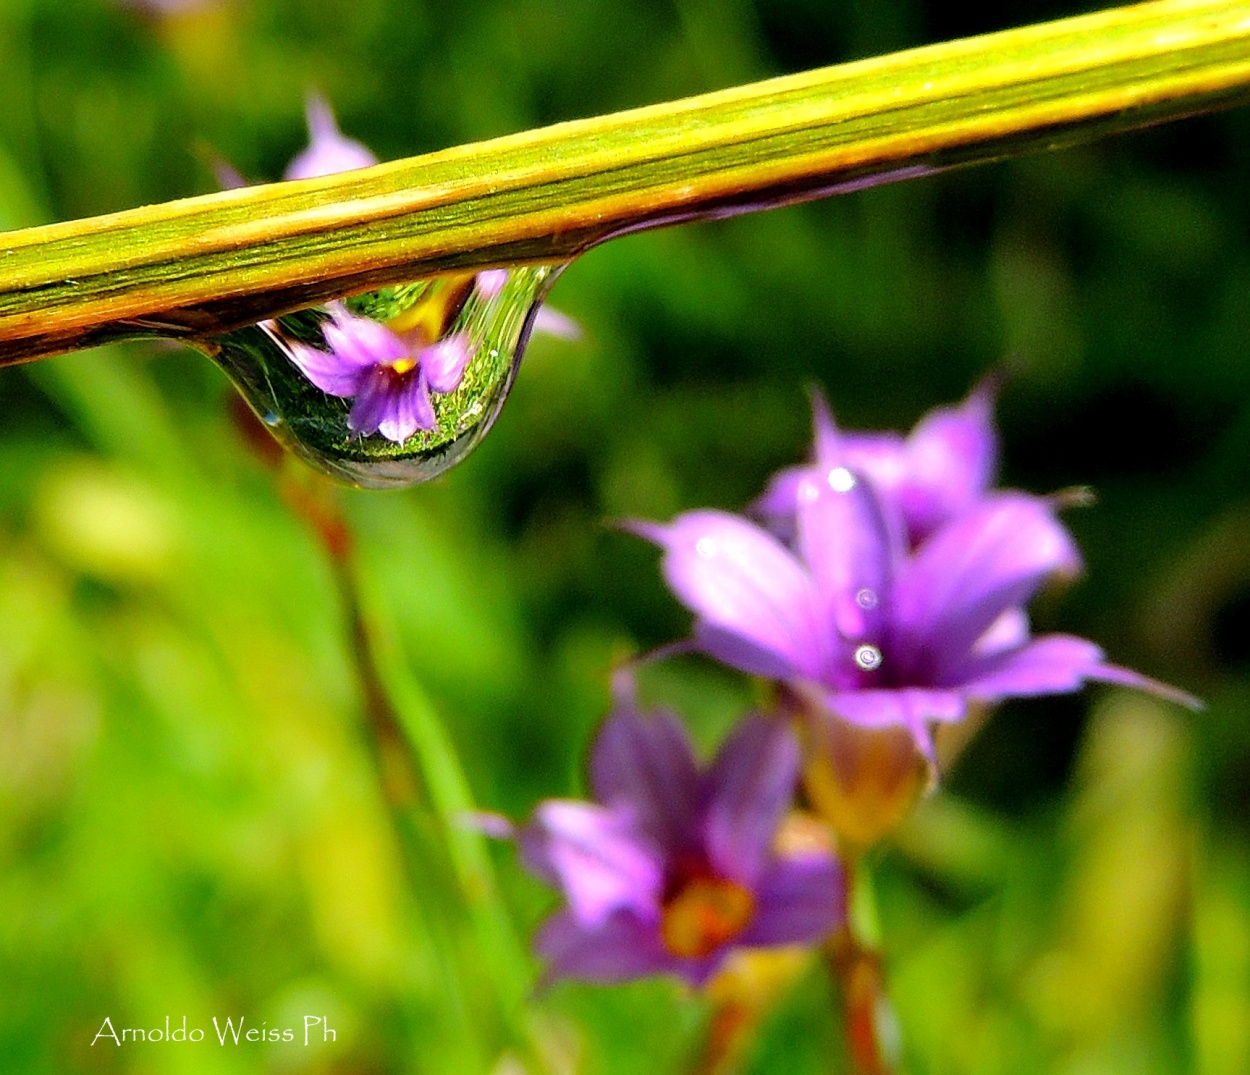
(388, 302)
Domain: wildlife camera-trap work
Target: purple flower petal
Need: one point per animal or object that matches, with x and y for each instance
(963, 578)
(913, 708)
(372, 404)
(879, 457)
(748, 790)
(744, 582)
(826, 439)
(1054, 664)
(779, 501)
(327, 369)
(594, 854)
(776, 505)
(646, 764)
(1008, 632)
(952, 455)
(797, 901)
(1126, 677)
(617, 949)
(328, 150)
(444, 362)
(851, 547)
(408, 408)
(728, 647)
(360, 341)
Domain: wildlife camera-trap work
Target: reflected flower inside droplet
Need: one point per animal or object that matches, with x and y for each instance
(389, 375)
(424, 366)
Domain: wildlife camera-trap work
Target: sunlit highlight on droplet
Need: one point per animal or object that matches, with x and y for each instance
(841, 480)
(706, 547)
(868, 658)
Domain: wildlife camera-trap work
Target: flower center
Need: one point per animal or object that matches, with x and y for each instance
(705, 913)
(404, 365)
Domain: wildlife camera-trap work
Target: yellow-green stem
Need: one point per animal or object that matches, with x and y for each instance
(204, 265)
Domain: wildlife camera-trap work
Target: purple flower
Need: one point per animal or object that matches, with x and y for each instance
(389, 375)
(675, 867)
(942, 468)
(885, 636)
(329, 150)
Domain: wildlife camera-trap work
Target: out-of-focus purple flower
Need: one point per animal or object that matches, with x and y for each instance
(329, 150)
(674, 867)
(942, 468)
(389, 375)
(887, 636)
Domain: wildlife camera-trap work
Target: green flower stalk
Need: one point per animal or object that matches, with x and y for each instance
(201, 267)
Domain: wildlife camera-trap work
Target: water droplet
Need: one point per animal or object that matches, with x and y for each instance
(706, 547)
(808, 492)
(866, 599)
(841, 480)
(447, 351)
(868, 658)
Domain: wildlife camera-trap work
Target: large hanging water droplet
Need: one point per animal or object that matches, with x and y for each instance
(393, 387)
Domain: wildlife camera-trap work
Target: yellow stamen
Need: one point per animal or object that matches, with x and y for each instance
(404, 365)
(704, 914)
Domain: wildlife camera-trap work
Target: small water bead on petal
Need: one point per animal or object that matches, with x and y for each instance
(867, 599)
(840, 480)
(868, 658)
(706, 547)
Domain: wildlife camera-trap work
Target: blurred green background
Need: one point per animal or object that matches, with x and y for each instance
(190, 822)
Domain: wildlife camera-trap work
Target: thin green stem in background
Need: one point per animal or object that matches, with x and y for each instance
(202, 266)
(422, 782)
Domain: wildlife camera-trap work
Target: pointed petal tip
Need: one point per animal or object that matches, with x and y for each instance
(1075, 496)
(1126, 677)
(656, 533)
(824, 428)
(319, 115)
(488, 823)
